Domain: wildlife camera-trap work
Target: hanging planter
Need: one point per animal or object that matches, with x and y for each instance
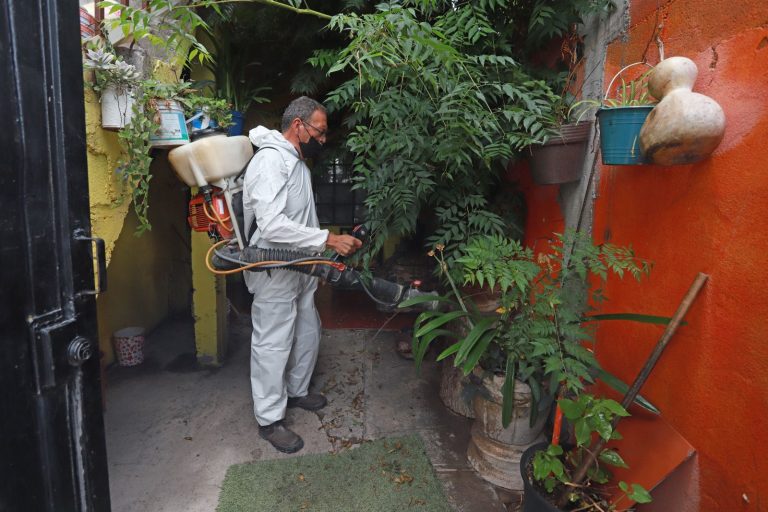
(620, 134)
(116, 107)
(561, 158)
(621, 120)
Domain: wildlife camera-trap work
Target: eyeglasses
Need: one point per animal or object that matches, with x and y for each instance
(321, 133)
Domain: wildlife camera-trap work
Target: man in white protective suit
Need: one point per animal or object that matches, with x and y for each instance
(278, 197)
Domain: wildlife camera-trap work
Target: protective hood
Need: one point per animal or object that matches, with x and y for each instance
(261, 136)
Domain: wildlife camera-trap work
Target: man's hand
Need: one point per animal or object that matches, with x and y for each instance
(343, 244)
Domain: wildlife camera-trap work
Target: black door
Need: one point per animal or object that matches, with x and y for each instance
(52, 452)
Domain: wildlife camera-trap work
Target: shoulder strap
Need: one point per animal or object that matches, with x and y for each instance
(245, 167)
(240, 213)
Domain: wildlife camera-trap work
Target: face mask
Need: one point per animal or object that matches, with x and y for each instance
(311, 148)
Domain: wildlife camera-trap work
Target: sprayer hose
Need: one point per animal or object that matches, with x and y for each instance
(268, 259)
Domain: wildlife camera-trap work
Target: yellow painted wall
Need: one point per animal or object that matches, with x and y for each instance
(148, 276)
(209, 305)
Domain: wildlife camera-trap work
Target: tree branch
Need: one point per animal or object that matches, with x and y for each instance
(273, 3)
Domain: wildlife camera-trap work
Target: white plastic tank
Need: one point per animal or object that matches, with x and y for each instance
(210, 159)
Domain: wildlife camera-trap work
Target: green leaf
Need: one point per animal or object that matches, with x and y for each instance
(422, 345)
(474, 335)
(583, 432)
(478, 351)
(632, 317)
(437, 322)
(572, 410)
(508, 391)
(448, 351)
(613, 458)
(620, 386)
(639, 494)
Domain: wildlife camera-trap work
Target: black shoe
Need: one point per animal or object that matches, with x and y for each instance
(310, 402)
(282, 439)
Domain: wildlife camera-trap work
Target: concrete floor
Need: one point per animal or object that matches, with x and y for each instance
(174, 429)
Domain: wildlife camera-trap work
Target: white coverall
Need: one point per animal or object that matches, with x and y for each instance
(286, 327)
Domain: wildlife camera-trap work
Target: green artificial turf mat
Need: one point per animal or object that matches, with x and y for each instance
(388, 475)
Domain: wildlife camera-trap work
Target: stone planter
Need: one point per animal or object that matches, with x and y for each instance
(453, 390)
(494, 451)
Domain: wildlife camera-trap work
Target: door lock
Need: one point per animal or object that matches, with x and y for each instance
(79, 350)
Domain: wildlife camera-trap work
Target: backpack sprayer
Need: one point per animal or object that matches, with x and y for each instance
(215, 164)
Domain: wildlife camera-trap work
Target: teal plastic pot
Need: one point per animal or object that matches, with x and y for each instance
(620, 134)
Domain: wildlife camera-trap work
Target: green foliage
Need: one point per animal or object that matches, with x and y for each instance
(554, 18)
(232, 66)
(437, 110)
(135, 161)
(539, 329)
(164, 23)
(631, 94)
(554, 467)
(218, 109)
(627, 94)
(109, 69)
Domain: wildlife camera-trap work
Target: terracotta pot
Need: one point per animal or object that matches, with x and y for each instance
(685, 127)
(561, 158)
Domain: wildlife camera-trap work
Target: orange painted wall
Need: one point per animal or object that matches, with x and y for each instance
(712, 382)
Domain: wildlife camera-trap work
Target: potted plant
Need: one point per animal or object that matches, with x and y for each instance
(549, 470)
(159, 120)
(116, 82)
(621, 118)
(232, 68)
(534, 341)
(207, 113)
(559, 158)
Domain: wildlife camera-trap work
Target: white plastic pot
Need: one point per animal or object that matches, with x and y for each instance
(116, 108)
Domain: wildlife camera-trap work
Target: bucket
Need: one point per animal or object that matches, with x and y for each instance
(620, 134)
(237, 123)
(129, 346)
(116, 108)
(173, 126)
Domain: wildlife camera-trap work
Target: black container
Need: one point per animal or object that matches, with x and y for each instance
(533, 501)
